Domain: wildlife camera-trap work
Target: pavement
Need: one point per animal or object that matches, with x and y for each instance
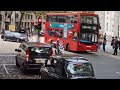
(109, 50)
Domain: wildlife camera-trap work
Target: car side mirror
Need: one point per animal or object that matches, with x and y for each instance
(19, 50)
(16, 50)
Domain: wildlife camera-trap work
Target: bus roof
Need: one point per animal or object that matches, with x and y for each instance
(73, 13)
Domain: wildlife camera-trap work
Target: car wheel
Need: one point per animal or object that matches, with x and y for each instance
(24, 70)
(18, 40)
(17, 63)
(4, 39)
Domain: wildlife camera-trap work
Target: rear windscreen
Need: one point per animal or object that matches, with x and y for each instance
(34, 51)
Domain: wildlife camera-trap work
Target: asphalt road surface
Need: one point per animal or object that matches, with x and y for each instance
(105, 66)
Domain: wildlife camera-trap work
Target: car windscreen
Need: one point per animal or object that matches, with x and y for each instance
(84, 69)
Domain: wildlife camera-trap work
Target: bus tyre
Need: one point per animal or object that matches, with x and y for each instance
(68, 47)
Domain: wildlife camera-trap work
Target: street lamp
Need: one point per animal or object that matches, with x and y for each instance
(15, 20)
(118, 26)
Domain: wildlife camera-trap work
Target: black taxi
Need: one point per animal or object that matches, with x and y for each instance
(32, 55)
(67, 67)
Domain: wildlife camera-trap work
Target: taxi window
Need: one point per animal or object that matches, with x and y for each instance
(81, 69)
(41, 50)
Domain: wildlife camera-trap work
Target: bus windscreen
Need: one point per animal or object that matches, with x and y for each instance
(89, 19)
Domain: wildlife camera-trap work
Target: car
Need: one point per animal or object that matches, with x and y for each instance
(67, 67)
(32, 55)
(14, 36)
(3, 32)
(21, 30)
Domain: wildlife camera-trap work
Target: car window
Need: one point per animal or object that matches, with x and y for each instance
(81, 69)
(38, 50)
(16, 34)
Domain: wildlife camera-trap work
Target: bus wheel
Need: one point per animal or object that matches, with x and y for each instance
(68, 47)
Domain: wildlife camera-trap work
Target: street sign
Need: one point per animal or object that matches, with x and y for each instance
(12, 27)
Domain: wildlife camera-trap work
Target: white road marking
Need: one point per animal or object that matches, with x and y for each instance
(7, 55)
(8, 64)
(5, 69)
(118, 73)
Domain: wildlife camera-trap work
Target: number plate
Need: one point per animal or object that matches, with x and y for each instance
(40, 60)
(88, 46)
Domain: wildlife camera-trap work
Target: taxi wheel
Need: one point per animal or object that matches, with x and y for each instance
(17, 63)
(24, 70)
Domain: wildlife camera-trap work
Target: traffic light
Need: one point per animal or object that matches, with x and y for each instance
(39, 23)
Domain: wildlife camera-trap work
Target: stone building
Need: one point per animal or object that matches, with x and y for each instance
(110, 22)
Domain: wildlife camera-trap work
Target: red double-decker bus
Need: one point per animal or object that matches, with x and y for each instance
(77, 31)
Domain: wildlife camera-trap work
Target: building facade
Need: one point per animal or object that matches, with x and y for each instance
(110, 22)
(27, 21)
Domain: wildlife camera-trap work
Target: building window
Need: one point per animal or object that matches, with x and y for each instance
(31, 16)
(107, 17)
(107, 12)
(28, 16)
(28, 25)
(107, 27)
(16, 15)
(22, 25)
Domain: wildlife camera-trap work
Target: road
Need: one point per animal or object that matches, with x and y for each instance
(105, 65)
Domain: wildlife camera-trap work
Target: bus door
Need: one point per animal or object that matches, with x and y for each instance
(65, 31)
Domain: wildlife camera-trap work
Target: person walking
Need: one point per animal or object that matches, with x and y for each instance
(112, 42)
(104, 36)
(104, 43)
(119, 43)
(116, 45)
(99, 43)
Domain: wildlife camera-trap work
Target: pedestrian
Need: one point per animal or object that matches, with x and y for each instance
(60, 48)
(57, 44)
(104, 37)
(119, 43)
(112, 42)
(104, 43)
(99, 43)
(116, 45)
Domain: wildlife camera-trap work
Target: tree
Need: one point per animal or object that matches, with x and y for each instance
(21, 17)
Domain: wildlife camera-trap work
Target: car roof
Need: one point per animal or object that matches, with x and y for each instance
(72, 58)
(33, 44)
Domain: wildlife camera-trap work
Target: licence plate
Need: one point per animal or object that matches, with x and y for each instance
(88, 50)
(40, 61)
(88, 46)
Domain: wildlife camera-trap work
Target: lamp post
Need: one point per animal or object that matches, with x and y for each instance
(15, 20)
(118, 26)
